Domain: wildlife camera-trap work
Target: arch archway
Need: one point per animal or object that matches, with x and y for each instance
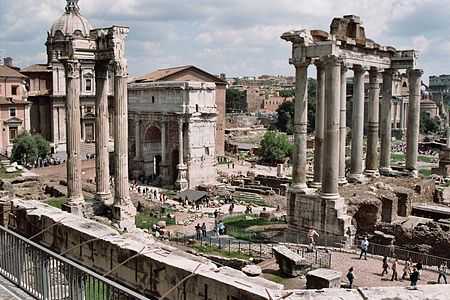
(152, 150)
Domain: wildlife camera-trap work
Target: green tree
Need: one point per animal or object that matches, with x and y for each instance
(235, 100)
(275, 147)
(29, 147)
(428, 124)
(285, 117)
(286, 93)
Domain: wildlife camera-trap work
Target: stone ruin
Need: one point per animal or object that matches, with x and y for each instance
(344, 47)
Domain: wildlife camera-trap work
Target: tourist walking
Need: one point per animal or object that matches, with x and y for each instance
(350, 277)
(204, 229)
(443, 272)
(220, 228)
(414, 276)
(311, 234)
(419, 267)
(385, 266)
(394, 270)
(407, 268)
(364, 248)
(198, 230)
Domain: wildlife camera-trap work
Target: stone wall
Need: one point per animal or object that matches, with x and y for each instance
(154, 272)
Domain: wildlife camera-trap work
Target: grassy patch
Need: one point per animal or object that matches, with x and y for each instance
(5, 175)
(146, 221)
(395, 158)
(273, 278)
(57, 202)
(244, 221)
(220, 252)
(425, 172)
(426, 159)
(236, 227)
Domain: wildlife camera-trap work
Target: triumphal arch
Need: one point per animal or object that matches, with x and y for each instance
(333, 54)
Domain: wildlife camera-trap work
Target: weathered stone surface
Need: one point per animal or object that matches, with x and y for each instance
(323, 278)
(290, 263)
(252, 270)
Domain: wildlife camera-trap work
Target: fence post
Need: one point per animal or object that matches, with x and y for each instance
(260, 251)
(249, 249)
(239, 246)
(210, 242)
(229, 246)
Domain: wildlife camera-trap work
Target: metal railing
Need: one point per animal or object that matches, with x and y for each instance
(318, 258)
(301, 238)
(47, 275)
(403, 254)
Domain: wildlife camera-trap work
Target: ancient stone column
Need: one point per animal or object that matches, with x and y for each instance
(373, 118)
(331, 129)
(320, 112)
(164, 165)
(300, 126)
(123, 209)
(402, 114)
(385, 122)
(342, 125)
(412, 128)
(137, 139)
(356, 170)
(103, 191)
(395, 114)
(73, 136)
(181, 182)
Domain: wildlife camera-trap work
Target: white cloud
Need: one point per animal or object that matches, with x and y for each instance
(420, 43)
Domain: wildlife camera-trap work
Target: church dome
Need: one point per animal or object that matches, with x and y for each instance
(71, 22)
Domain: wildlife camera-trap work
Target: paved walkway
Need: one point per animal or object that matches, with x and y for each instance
(9, 291)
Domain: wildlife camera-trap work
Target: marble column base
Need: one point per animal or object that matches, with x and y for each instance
(413, 173)
(124, 216)
(372, 173)
(105, 198)
(342, 181)
(315, 185)
(357, 178)
(385, 171)
(330, 196)
(299, 188)
(74, 208)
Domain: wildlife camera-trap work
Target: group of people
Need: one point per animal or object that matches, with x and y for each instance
(200, 230)
(49, 160)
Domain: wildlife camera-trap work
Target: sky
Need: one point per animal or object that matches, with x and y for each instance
(235, 37)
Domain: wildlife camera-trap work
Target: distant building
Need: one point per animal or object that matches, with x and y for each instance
(14, 106)
(47, 82)
(177, 122)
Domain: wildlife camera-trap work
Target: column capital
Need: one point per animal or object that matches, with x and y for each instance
(120, 68)
(300, 62)
(415, 72)
(319, 63)
(101, 69)
(72, 68)
(164, 118)
(332, 59)
(373, 71)
(360, 68)
(388, 72)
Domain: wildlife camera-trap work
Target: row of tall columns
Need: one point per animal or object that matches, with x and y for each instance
(373, 119)
(300, 126)
(123, 210)
(320, 114)
(412, 129)
(342, 125)
(356, 168)
(73, 137)
(385, 121)
(330, 167)
(103, 192)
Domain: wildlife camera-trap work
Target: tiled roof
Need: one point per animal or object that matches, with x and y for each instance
(8, 72)
(36, 68)
(162, 74)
